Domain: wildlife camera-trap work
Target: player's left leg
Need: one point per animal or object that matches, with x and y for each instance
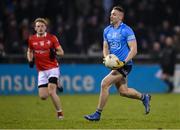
(52, 86)
(134, 94)
(127, 92)
(130, 92)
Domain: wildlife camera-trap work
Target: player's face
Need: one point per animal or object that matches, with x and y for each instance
(40, 28)
(116, 16)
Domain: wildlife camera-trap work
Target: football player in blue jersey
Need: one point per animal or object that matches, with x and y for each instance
(120, 40)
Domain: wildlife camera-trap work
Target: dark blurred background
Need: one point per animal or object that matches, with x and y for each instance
(79, 25)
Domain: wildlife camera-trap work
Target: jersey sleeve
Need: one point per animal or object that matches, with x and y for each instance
(105, 35)
(130, 34)
(55, 41)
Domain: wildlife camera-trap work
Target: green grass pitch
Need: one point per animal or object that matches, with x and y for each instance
(29, 112)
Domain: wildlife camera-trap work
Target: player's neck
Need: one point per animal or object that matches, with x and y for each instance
(117, 24)
(41, 35)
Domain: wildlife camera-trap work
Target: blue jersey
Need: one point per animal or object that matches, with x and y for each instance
(117, 39)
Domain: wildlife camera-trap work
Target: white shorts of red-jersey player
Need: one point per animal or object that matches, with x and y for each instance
(44, 75)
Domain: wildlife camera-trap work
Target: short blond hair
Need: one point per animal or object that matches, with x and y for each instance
(119, 8)
(42, 20)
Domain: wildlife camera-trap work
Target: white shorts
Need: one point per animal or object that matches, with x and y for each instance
(43, 76)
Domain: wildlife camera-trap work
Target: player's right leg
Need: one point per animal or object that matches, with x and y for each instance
(43, 91)
(42, 85)
(47, 87)
(111, 78)
(106, 83)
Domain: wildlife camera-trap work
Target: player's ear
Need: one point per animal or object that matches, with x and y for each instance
(121, 16)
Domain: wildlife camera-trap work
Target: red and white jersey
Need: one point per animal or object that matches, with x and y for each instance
(41, 47)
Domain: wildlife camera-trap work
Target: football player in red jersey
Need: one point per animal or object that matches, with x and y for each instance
(42, 48)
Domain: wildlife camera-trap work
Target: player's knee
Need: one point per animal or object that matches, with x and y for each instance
(123, 92)
(52, 89)
(51, 92)
(104, 84)
(43, 97)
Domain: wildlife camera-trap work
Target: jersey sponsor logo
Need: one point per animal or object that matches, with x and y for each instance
(41, 51)
(115, 45)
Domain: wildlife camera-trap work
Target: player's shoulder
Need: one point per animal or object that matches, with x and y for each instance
(125, 26)
(106, 29)
(126, 29)
(50, 35)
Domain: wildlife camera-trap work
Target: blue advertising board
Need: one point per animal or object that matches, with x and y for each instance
(77, 78)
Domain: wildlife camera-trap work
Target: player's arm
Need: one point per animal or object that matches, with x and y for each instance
(57, 46)
(105, 48)
(59, 51)
(30, 57)
(133, 50)
(29, 54)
